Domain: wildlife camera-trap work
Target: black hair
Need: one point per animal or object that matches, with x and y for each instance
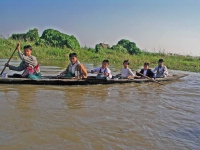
(106, 61)
(160, 60)
(126, 61)
(72, 55)
(146, 64)
(28, 46)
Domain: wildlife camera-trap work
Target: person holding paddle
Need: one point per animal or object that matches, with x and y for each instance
(161, 70)
(29, 64)
(103, 72)
(75, 69)
(146, 71)
(126, 72)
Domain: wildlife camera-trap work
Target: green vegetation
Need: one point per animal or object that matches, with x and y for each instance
(125, 45)
(31, 35)
(116, 55)
(50, 37)
(55, 38)
(122, 46)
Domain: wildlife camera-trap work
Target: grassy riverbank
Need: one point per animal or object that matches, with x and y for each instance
(185, 63)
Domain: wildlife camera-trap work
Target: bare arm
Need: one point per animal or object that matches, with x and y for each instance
(155, 69)
(83, 71)
(165, 71)
(65, 71)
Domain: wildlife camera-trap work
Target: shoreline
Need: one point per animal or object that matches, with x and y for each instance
(179, 62)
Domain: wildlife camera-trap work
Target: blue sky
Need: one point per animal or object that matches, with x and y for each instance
(171, 25)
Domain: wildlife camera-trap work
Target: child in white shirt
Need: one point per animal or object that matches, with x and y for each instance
(161, 70)
(103, 71)
(126, 73)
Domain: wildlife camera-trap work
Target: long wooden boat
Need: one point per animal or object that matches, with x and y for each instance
(52, 80)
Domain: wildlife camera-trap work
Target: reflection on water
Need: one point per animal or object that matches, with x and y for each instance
(120, 116)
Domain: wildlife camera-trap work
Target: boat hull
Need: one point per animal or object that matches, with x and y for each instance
(50, 80)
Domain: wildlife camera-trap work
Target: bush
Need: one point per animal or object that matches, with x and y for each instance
(98, 48)
(57, 39)
(21, 36)
(101, 46)
(119, 48)
(129, 46)
(31, 35)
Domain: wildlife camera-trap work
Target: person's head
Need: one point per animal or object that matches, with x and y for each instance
(105, 64)
(27, 50)
(160, 62)
(126, 63)
(73, 58)
(146, 65)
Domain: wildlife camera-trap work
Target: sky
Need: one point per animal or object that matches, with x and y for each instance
(172, 26)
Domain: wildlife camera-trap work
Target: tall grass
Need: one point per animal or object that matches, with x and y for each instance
(185, 63)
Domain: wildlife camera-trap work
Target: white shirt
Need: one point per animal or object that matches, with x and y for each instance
(72, 67)
(161, 69)
(105, 70)
(126, 72)
(145, 72)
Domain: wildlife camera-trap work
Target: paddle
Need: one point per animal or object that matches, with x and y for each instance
(9, 60)
(149, 78)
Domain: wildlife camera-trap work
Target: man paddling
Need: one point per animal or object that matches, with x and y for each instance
(75, 69)
(161, 70)
(29, 64)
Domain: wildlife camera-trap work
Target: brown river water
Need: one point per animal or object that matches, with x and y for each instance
(101, 117)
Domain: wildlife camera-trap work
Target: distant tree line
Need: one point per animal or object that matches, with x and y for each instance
(57, 39)
(31, 35)
(123, 46)
(54, 38)
(50, 37)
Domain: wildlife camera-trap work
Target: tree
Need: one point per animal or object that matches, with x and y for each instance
(32, 35)
(119, 48)
(98, 48)
(129, 46)
(21, 36)
(101, 46)
(55, 38)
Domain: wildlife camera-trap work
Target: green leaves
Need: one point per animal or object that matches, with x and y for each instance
(123, 45)
(129, 46)
(98, 48)
(120, 48)
(31, 35)
(50, 37)
(55, 38)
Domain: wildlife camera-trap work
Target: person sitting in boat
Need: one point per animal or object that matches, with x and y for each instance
(103, 72)
(29, 64)
(161, 70)
(126, 72)
(75, 69)
(146, 71)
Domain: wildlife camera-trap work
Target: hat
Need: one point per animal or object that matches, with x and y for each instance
(160, 60)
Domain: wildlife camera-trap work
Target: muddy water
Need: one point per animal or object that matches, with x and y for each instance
(114, 117)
